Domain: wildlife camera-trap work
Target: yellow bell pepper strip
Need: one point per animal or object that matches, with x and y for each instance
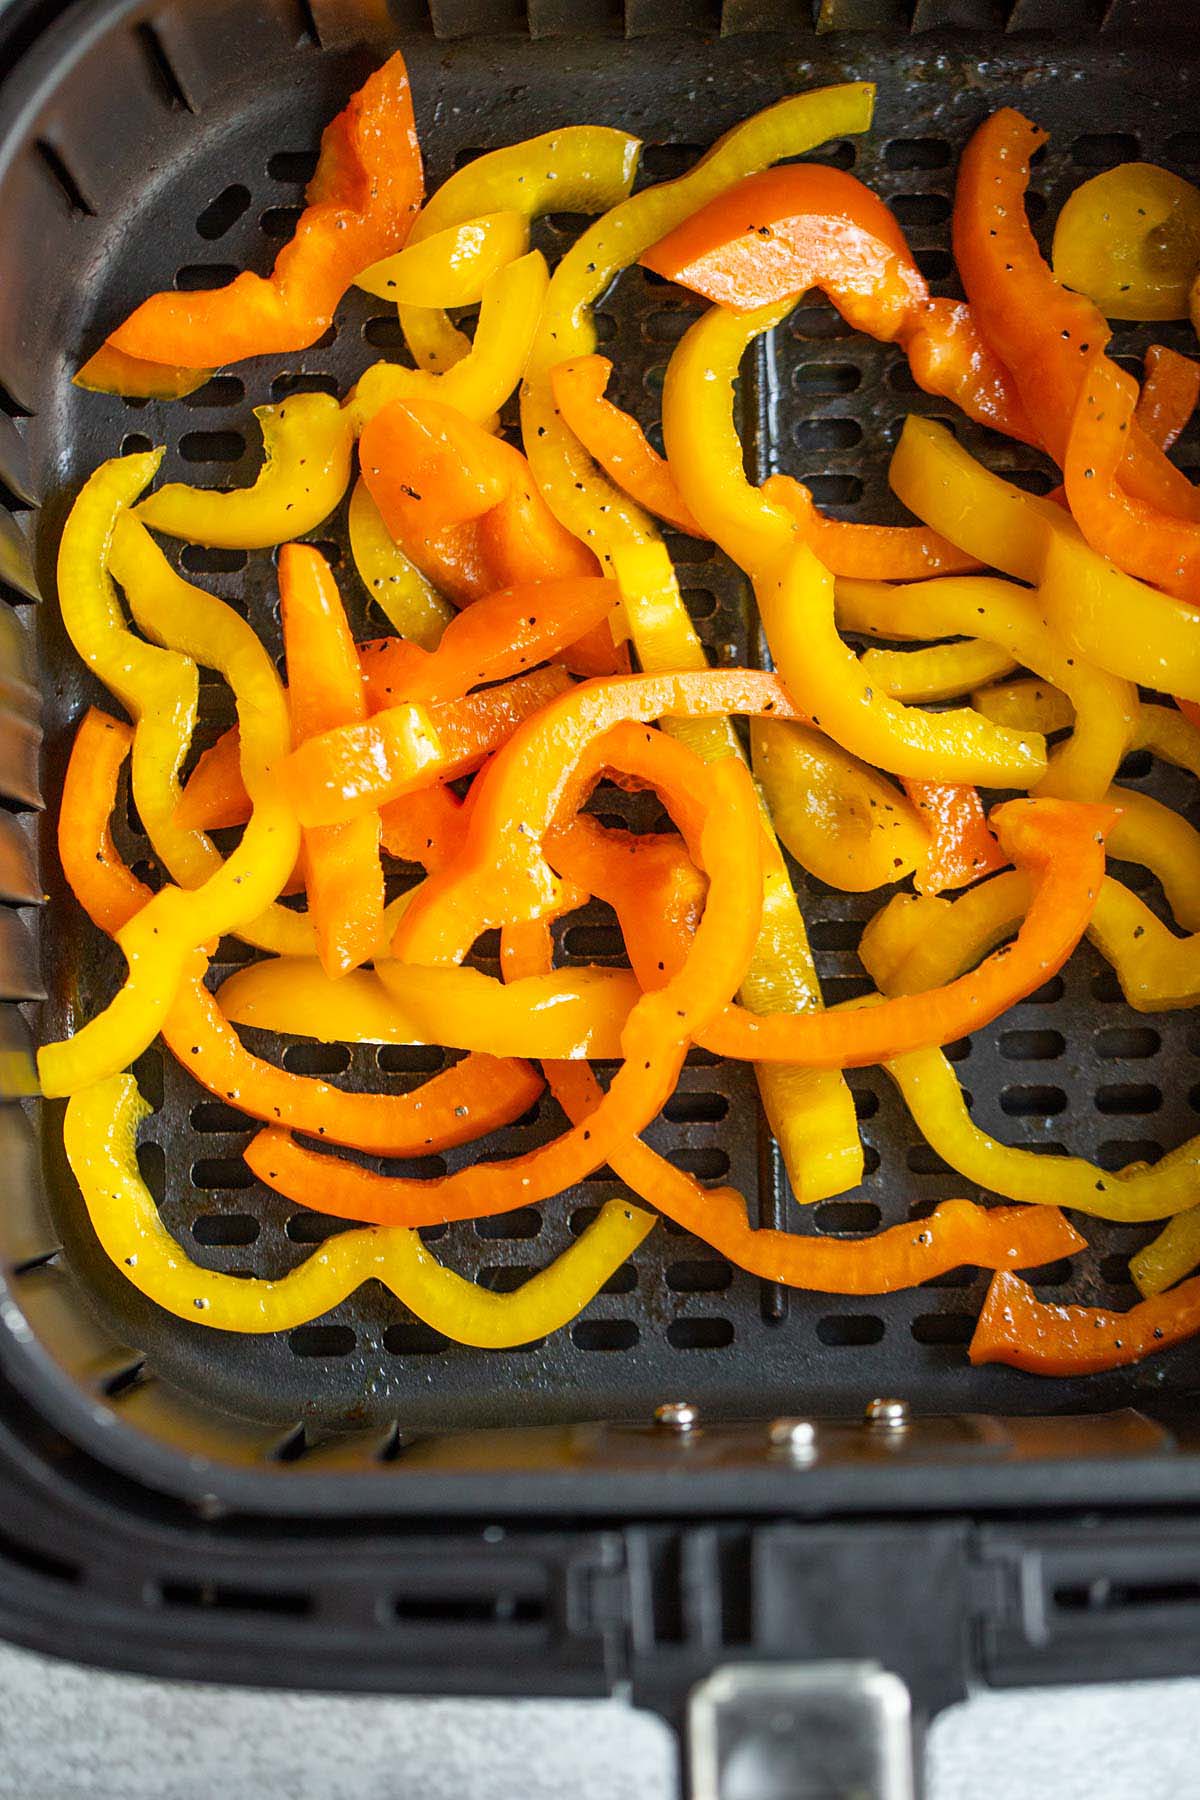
(1017, 1328)
(1190, 710)
(342, 871)
(1168, 1257)
(1158, 972)
(1138, 536)
(461, 1103)
(101, 1141)
(720, 799)
(955, 1233)
(1027, 705)
(1170, 734)
(570, 1013)
(159, 942)
(1042, 332)
(409, 602)
(782, 232)
(451, 267)
(307, 443)
(580, 496)
(1130, 240)
(577, 168)
(1113, 620)
(938, 672)
(1170, 390)
(961, 847)
(1162, 841)
(481, 381)
(841, 820)
(361, 204)
(810, 1112)
(1106, 709)
(111, 371)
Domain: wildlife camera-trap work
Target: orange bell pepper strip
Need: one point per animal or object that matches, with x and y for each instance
(454, 1107)
(1017, 1328)
(957, 1233)
(446, 488)
(1133, 533)
(424, 827)
(1040, 330)
(361, 204)
(654, 1040)
(469, 731)
(1190, 710)
(779, 233)
(962, 847)
(343, 873)
(1170, 390)
(868, 552)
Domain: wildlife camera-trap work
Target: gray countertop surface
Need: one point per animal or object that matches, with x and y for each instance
(69, 1733)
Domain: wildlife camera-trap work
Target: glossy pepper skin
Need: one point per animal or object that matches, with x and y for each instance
(1170, 390)
(781, 232)
(454, 1107)
(361, 204)
(1017, 1328)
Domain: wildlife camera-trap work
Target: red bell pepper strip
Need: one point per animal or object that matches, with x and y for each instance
(462, 1103)
(1039, 329)
(343, 873)
(962, 847)
(1136, 535)
(779, 233)
(1170, 390)
(1015, 1327)
(361, 204)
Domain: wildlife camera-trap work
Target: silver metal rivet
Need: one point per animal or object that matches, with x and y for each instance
(887, 1414)
(798, 1437)
(677, 1415)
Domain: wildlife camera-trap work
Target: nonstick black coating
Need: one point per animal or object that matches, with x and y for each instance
(204, 174)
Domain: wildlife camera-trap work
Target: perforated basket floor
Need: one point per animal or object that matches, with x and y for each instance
(209, 178)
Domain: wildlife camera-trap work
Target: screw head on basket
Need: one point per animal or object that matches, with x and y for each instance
(887, 1414)
(677, 1415)
(796, 1438)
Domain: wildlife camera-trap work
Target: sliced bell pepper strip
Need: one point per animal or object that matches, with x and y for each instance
(998, 1237)
(573, 1012)
(1190, 710)
(424, 827)
(654, 1041)
(1106, 709)
(1039, 330)
(1026, 705)
(361, 205)
(1168, 1257)
(810, 1112)
(307, 446)
(449, 268)
(616, 440)
(1138, 536)
(580, 496)
(1161, 840)
(1017, 1328)
(872, 552)
(1170, 390)
(938, 672)
(462, 1103)
(1130, 240)
(781, 232)
(111, 371)
(159, 941)
(409, 602)
(1170, 734)
(482, 380)
(577, 168)
(841, 820)
(961, 846)
(1113, 620)
(342, 871)
(101, 1141)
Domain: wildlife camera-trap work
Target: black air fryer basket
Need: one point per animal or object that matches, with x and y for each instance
(357, 1503)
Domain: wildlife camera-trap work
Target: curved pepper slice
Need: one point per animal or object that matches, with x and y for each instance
(780, 233)
(361, 204)
(577, 168)
(938, 672)
(956, 1233)
(409, 602)
(342, 871)
(1168, 1257)
(1170, 390)
(159, 941)
(101, 1142)
(1113, 620)
(451, 267)
(462, 1103)
(573, 1012)
(111, 371)
(307, 446)
(653, 1043)
(1040, 330)
(1130, 240)
(1017, 1328)
(616, 440)
(841, 820)
(962, 846)
(1139, 537)
(1036, 706)
(580, 496)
